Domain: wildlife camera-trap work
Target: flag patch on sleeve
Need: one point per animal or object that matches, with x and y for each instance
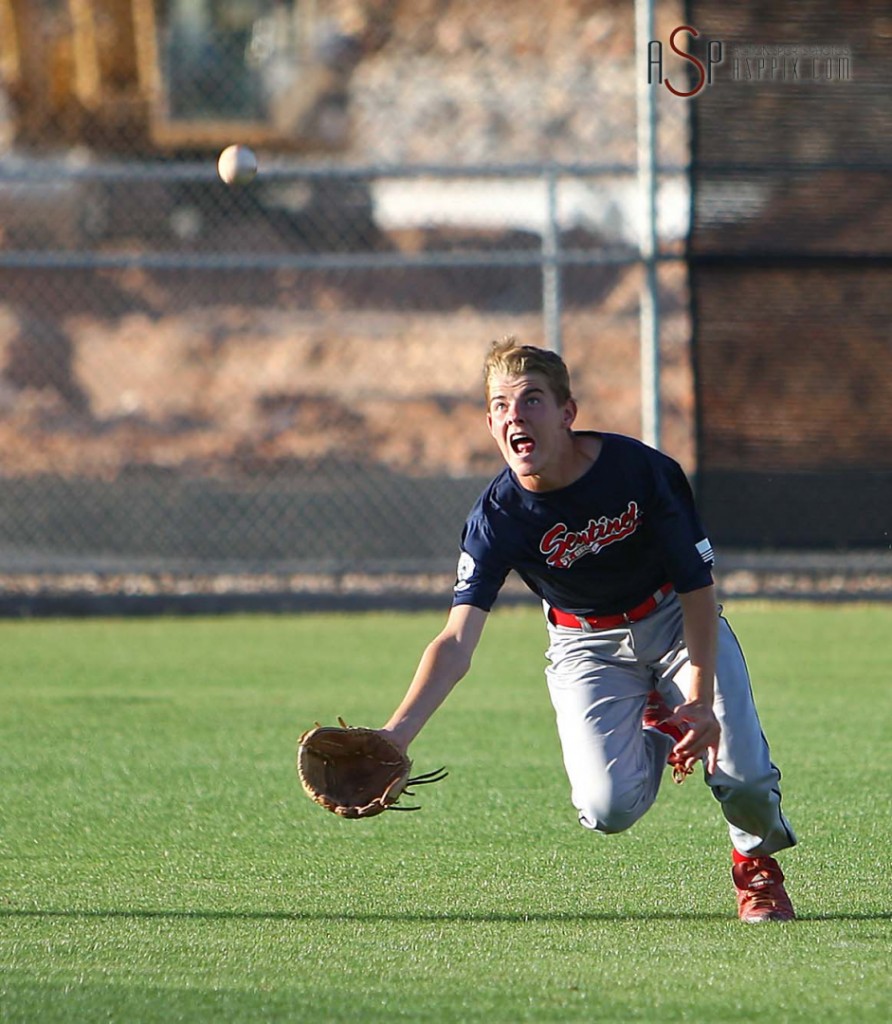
(706, 552)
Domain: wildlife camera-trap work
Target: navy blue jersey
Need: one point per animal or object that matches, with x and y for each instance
(600, 546)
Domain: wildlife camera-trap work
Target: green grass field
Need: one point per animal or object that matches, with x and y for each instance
(160, 863)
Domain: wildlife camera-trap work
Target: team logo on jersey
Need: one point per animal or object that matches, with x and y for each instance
(562, 548)
(464, 572)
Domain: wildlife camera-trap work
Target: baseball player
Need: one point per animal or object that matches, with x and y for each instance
(643, 669)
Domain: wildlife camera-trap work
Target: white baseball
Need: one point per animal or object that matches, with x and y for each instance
(237, 165)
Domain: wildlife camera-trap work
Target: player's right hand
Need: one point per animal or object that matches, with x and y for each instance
(702, 733)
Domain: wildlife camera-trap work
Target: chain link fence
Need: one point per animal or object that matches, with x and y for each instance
(264, 408)
(791, 270)
(274, 391)
(282, 382)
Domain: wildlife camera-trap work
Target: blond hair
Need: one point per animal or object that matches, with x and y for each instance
(509, 359)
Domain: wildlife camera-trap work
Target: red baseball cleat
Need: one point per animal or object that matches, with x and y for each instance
(761, 895)
(656, 715)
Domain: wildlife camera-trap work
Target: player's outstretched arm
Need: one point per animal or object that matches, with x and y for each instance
(445, 661)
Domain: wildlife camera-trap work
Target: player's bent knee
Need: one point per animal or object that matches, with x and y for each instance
(608, 825)
(613, 816)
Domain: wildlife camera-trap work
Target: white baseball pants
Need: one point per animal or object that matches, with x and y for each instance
(599, 681)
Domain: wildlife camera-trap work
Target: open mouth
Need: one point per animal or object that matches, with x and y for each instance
(521, 444)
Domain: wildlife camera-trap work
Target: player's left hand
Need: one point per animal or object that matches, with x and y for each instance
(702, 732)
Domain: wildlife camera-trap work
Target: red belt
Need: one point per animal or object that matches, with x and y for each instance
(560, 618)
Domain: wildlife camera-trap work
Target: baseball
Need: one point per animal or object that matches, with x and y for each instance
(237, 165)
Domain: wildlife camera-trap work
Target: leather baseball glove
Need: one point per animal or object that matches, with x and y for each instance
(355, 772)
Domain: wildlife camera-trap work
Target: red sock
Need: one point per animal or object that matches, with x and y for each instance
(738, 858)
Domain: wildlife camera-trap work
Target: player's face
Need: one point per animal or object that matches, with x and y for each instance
(530, 427)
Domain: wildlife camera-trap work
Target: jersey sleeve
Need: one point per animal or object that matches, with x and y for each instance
(480, 572)
(680, 535)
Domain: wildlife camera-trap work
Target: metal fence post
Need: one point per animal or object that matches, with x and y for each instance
(551, 269)
(647, 193)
